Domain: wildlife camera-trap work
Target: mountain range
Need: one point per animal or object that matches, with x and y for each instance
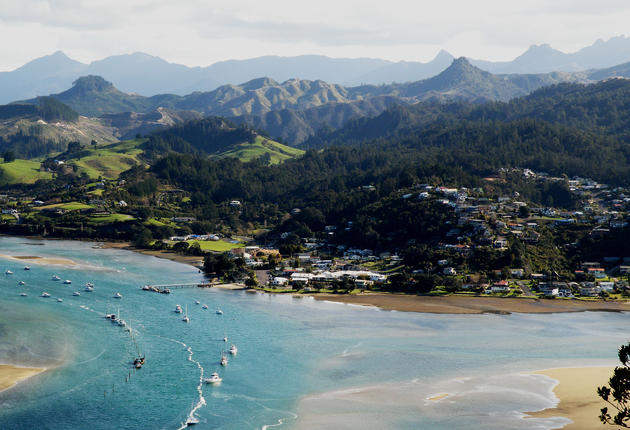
(148, 75)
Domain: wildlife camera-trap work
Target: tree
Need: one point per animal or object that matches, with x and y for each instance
(617, 393)
(9, 156)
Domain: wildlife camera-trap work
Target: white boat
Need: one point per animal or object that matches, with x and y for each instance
(89, 284)
(88, 288)
(186, 319)
(219, 312)
(27, 267)
(55, 278)
(118, 296)
(60, 300)
(21, 283)
(76, 293)
(213, 379)
(192, 421)
(204, 307)
(233, 349)
(8, 272)
(67, 282)
(45, 294)
(224, 360)
(178, 309)
(197, 302)
(23, 294)
(225, 339)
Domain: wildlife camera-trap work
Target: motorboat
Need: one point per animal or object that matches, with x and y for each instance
(60, 300)
(76, 293)
(178, 309)
(225, 339)
(21, 283)
(55, 278)
(219, 312)
(23, 294)
(67, 282)
(118, 296)
(27, 267)
(224, 360)
(88, 288)
(197, 302)
(233, 349)
(110, 316)
(8, 272)
(192, 421)
(204, 307)
(213, 379)
(45, 294)
(89, 284)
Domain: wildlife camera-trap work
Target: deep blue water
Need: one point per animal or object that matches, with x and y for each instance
(299, 360)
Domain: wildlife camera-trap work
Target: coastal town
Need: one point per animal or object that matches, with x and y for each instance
(482, 221)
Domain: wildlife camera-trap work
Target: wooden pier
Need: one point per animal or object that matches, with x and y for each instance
(166, 288)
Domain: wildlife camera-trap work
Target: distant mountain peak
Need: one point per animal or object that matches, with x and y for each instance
(442, 55)
(92, 83)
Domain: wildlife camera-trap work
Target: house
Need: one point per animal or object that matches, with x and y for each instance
(500, 287)
(624, 270)
(235, 203)
(449, 271)
(589, 290)
(517, 273)
(608, 286)
(279, 281)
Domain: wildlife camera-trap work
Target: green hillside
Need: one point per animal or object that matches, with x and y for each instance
(108, 161)
(22, 171)
(261, 146)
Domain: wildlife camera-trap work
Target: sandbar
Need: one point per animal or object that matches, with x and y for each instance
(455, 304)
(577, 392)
(55, 261)
(11, 375)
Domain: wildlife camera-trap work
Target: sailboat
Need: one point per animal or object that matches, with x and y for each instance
(186, 319)
(224, 360)
(233, 349)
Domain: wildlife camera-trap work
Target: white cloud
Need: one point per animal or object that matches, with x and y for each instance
(199, 32)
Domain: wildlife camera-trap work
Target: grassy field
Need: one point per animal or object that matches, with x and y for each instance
(108, 161)
(250, 151)
(110, 218)
(22, 171)
(70, 206)
(216, 245)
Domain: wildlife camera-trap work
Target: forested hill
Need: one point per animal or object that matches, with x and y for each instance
(602, 108)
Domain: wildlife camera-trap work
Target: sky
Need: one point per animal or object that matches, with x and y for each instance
(201, 32)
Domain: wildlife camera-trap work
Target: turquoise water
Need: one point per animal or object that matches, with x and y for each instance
(301, 363)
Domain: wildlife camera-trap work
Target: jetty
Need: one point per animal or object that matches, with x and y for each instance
(166, 288)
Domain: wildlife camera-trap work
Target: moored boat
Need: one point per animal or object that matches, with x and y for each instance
(213, 379)
(233, 349)
(118, 296)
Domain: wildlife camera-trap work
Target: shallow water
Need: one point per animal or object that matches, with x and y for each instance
(301, 363)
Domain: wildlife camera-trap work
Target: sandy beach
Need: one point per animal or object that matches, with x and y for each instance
(472, 304)
(577, 392)
(12, 375)
(191, 260)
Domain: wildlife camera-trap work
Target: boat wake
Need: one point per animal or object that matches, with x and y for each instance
(191, 419)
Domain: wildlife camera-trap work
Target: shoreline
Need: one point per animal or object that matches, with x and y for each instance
(576, 390)
(454, 304)
(11, 375)
(451, 304)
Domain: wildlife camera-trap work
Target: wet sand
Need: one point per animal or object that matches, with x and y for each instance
(577, 391)
(34, 259)
(472, 304)
(12, 375)
(191, 260)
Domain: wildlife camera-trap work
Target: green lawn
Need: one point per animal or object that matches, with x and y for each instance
(216, 245)
(69, 206)
(22, 171)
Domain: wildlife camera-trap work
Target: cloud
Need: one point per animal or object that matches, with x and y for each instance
(199, 32)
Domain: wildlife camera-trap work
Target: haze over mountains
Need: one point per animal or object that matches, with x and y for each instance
(148, 75)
